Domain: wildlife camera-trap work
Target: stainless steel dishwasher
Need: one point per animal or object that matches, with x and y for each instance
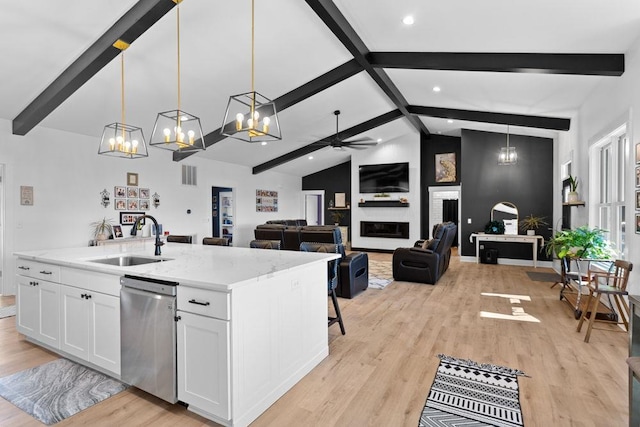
(148, 335)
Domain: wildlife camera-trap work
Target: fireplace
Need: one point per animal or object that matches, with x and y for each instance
(390, 230)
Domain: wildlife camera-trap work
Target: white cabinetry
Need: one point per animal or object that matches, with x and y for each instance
(203, 351)
(38, 310)
(90, 326)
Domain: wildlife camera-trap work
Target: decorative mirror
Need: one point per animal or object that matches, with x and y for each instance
(508, 213)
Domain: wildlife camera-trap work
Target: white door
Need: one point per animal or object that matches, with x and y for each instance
(313, 207)
(203, 363)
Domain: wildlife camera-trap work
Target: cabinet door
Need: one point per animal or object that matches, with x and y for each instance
(203, 363)
(104, 331)
(27, 307)
(74, 321)
(49, 313)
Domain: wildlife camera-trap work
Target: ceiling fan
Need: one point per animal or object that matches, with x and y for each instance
(338, 143)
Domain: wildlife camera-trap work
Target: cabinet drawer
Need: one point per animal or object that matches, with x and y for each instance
(38, 270)
(201, 301)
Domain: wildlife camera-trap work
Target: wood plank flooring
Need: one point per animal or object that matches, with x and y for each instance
(379, 374)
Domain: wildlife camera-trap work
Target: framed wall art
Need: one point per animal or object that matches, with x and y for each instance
(445, 167)
(120, 204)
(132, 179)
(638, 200)
(132, 204)
(132, 192)
(117, 231)
(119, 192)
(128, 218)
(26, 195)
(144, 193)
(266, 201)
(637, 223)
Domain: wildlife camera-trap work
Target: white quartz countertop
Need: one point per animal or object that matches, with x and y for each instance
(210, 267)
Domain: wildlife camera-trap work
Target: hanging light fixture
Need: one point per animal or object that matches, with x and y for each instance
(508, 155)
(121, 139)
(250, 116)
(177, 130)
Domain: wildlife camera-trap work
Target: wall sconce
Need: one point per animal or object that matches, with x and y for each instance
(156, 200)
(104, 194)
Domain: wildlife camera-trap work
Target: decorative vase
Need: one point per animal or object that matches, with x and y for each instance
(101, 236)
(531, 232)
(572, 197)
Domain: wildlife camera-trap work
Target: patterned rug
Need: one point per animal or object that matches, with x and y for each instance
(7, 311)
(472, 394)
(57, 390)
(380, 274)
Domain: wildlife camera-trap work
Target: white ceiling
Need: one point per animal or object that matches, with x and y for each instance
(293, 46)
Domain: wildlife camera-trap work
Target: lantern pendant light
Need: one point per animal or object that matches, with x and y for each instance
(120, 139)
(250, 116)
(177, 130)
(508, 155)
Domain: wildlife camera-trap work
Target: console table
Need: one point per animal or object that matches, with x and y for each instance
(508, 238)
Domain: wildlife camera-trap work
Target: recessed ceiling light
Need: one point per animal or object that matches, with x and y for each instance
(408, 20)
(310, 157)
(263, 143)
(379, 139)
(449, 121)
(436, 88)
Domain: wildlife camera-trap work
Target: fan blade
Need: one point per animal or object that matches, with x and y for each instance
(367, 144)
(365, 139)
(356, 147)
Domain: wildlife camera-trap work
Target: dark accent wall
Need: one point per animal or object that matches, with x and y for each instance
(527, 184)
(333, 180)
(429, 147)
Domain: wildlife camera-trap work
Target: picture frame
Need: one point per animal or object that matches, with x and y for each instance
(132, 192)
(128, 218)
(637, 223)
(637, 199)
(120, 204)
(132, 204)
(638, 153)
(26, 195)
(340, 200)
(132, 179)
(119, 192)
(445, 167)
(637, 176)
(143, 205)
(117, 231)
(144, 193)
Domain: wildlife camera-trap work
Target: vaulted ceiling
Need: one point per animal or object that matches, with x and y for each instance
(496, 63)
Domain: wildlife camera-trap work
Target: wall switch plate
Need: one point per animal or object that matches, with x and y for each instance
(468, 220)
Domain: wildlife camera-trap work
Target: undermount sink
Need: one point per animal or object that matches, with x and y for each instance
(129, 260)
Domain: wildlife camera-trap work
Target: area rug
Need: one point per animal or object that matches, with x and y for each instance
(466, 393)
(380, 274)
(538, 276)
(57, 390)
(7, 311)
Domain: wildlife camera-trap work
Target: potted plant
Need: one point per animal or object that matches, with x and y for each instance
(336, 216)
(582, 242)
(102, 229)
(531, 223)
(572, 197)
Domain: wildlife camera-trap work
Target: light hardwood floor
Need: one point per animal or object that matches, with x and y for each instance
(379, 374)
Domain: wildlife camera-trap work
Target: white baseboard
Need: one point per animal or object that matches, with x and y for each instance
(510, 261)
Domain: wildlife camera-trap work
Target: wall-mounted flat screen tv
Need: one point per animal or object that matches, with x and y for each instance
(384, 178)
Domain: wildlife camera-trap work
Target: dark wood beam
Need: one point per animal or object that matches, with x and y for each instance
(328, 79)
(590, 64)
(128, 28)
(319, 145)
(541, 122)
(329, 13)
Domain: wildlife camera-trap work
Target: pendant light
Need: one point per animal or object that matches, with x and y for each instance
(250, 116)
(177, 130)
(508, 155)
(121, 139)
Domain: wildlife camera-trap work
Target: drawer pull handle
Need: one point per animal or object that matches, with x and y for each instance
(22, 267)
(46, 272)
(34, 283)
(192, 301)
(85, 296)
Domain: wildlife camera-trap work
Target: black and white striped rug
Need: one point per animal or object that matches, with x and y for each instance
(7, 311)
(472, 394)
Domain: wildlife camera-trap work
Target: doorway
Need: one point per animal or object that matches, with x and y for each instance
(222, 213)
(313, 203)
(3, 291)
(444, 205)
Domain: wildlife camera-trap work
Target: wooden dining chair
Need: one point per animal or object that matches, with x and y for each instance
(613, 285)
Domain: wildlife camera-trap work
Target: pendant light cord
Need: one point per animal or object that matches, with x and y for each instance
(178, 50)
(253, 94)
(122, 88)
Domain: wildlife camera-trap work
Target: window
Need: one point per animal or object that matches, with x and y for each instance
(609, 160)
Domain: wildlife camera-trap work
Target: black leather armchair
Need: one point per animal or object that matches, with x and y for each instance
(428, 264)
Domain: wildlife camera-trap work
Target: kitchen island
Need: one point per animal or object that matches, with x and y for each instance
(250, 323)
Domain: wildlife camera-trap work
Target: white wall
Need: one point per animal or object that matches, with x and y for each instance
(68, 175)
(405, 149)
(614, 100)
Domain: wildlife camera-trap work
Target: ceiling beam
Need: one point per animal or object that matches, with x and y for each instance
(588, 64)
(541, 122)
(320, 144)
(328, 79)
(128, 28)
(329, 13)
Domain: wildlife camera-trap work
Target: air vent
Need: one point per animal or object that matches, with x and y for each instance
(189, 175)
